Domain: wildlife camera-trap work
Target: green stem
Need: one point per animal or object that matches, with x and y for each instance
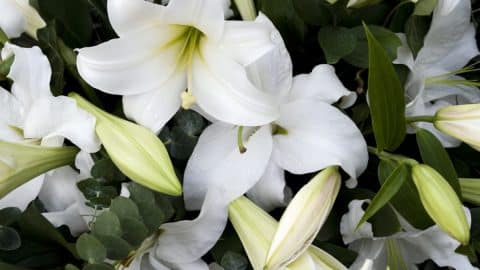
(241, 146)
(420, 118)
(391, 157)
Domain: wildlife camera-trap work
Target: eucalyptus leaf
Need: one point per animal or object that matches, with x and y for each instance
(285, 18)
(117, 248)
(124, 208)
(71, 267)
(386, 97)
(336, 42)
(314, 12)
(9, 239)
(389, 188)
(9, 215)
(91, 249)
(436, 156)
(234, 261)
(98, 266)
(134, 231)
(107, 223)
(190, 122)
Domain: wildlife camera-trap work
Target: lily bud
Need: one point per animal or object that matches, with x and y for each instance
(247, 9)
(470, 190)
(361, 3)
(21, 162)
(256, 230)
(441, 202)
(18, 17)
(135, 150)
(303, 218)
(461, 122)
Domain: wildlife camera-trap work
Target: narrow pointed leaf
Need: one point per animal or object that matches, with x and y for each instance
(386, 97)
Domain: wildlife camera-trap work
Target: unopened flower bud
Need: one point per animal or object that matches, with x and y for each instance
(461, 122)
(361, 3)
(21, 162)
(441, 202)
(135, 150)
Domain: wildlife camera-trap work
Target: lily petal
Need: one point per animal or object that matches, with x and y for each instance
(223, 90)
(272, 73)
(271, 190)
(205, 15)
(23, 195)
(70, 217)
(44, 121)
(9, 133)
(247, 41)
(447, 35)
(217, 162)
(404, 53)
(349, 221)
(84, 163)
(30, 73)
(153, 109)
(11, 110)
(12, 21)
(148, 55)
(321, 84)
(59, 190)
(187, 241)
(447, 6)
(132, 15)
(318, 136)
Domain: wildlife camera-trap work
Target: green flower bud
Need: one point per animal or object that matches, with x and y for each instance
(256, 229)
(247, 9)
(135, 150)
(470, 190)
(303, 218)
(461, 122)
(21, 162)
(441, 202)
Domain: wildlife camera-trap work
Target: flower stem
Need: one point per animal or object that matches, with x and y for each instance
(420, 118)
(391, 157)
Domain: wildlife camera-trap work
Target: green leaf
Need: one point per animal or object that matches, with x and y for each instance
(416, 28)
(98, 196)
(152, 215)
(33, 224)
(389, 188)
(433, 154)
(104, 168)
(285, 18)
(336, 42)
(9, 239)
(406, 201)
(386, 96)
(134, 231)
(388, 39)
(74, 23)
(90, 249)
(98, 266)
(425, 7)
(234, 261)
(47, 39)
(124, 208)
(314, 12)
(107, 224)
(6, 266)
(117, 248)
(190, 122)
(71, 267)
(5, 65)
(9, 215)
(181, 145)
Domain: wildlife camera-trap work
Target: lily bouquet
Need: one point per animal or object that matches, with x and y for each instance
(235, 135)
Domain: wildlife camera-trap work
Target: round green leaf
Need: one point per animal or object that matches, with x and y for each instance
(107, 224)
(9, 215)
(90, 249)
(134, 231)
(9, 239)
(117, 248)
(98, 266)
(124, 208)
(234, 261)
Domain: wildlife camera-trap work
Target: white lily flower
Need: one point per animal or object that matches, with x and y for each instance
(17, 16)
(163, 51)
(402, 250)
(257, 229)
(433, 82)
(29, 112)
(309, 135)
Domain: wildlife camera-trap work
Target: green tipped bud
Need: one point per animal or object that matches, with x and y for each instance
(441, 202)
(256, 229)
(135, 150)
(461, 122)
(303, 218)
(470, 190)
(21, 162)
(361, 3)
(247, 9)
